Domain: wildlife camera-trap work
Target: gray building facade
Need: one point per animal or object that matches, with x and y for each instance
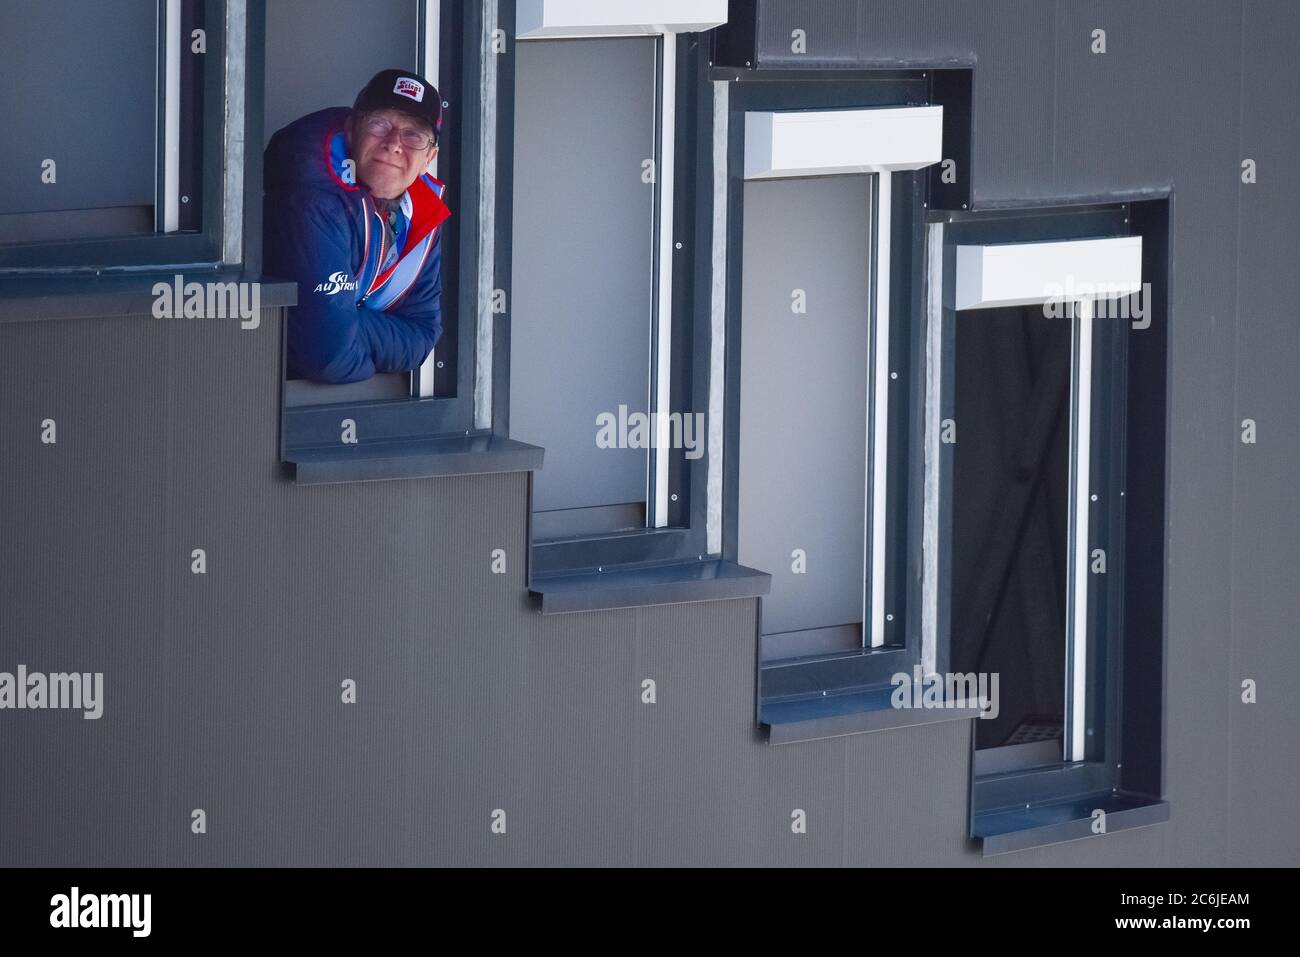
(223, 690)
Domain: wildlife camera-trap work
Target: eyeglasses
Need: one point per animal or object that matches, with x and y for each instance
(411, 138)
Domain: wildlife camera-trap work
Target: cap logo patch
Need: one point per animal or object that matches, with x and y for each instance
(412, 89)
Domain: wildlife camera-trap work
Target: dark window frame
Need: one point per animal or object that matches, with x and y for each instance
(784, 680)
(450, 411)
(575, 549)
(189, 251)
(1126, 620)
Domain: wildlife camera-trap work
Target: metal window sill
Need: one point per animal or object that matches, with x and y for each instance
(854, 711)
(84, 296)
(1004, 830)
(411, 458)
(636, 586)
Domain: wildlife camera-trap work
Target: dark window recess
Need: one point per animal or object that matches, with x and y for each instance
(302, 33)
(1050, 765)
(581, 322)
(1009, 507)
(621, 524)
(799, 407)
(399, 432)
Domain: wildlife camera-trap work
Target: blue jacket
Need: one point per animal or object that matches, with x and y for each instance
(362, 307)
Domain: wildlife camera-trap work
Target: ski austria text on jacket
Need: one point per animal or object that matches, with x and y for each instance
(361, 308)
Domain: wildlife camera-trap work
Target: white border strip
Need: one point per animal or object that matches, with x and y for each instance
(171, 219)
(878, 435)
(1080, 480)
(664, 318)
(232, 218)
(569, 19)
(717, 320)
(487, 211)
(835, 142)
(1026, 274)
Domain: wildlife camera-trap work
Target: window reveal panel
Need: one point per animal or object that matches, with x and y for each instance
(312, 64)
(87, 102)
(583, 257)
(803, 396)
(1010, 508)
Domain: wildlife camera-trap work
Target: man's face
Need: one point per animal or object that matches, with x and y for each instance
(385, 164)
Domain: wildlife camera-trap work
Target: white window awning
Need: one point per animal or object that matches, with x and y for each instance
(554, 19)
(831, 142)
(1026, 274)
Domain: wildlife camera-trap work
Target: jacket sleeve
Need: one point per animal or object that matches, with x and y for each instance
(403, 336)
(331, 339)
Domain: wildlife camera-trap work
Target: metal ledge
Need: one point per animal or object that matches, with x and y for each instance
(857, 711)
(1039, 825)
(631, 587)
(412, 458)
(80, 296)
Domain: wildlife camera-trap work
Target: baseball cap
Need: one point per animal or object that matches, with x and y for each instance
(405, 91)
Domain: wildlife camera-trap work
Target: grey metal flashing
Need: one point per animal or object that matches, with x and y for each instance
(854, 712)
(412, 458)
(108, 297)
(931, 454)
(485, 355)
(1040, 825)
(1054, 783)
(631, 587)
(232, 233)
(1136, 194)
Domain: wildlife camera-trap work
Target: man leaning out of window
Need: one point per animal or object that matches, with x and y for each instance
(352, 215)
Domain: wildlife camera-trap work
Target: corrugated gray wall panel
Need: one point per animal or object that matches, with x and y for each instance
(1146, 112)
(471, 676)
(1010, 42)
(259, 645)
(1264, 742)
(572, 794)
(1143, 847)
(709, 790)
(82, 532)
(924, 768)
